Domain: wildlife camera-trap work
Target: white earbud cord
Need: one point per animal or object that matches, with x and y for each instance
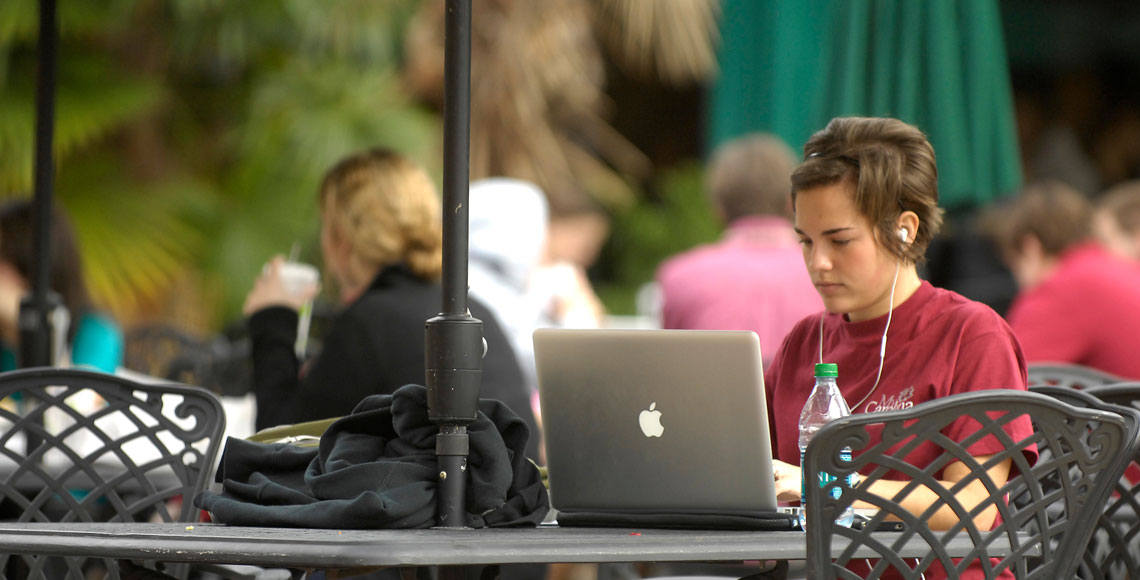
(882, 343)
(822, 315)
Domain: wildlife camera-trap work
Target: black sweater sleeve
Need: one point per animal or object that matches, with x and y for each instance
(350, 366)
(272, 333)
(373, 346)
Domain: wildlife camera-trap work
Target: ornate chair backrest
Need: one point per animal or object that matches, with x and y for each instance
(1039, 533)
(83, 446)
(1114, 550)
(1068, 375)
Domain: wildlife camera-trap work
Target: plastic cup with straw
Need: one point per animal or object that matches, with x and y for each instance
(299, 277)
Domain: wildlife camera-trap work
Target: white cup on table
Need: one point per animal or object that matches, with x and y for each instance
(299, 278)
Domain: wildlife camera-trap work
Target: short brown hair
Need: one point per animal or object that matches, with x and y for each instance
(751, 175)
(891, 166)
(387, 208)
(1051, 211)
(1122, 204)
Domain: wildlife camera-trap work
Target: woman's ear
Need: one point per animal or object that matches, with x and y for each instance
(908, 220)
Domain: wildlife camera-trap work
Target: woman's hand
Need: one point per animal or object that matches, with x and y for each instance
(573, 302)
(788, 480)
(270, 290)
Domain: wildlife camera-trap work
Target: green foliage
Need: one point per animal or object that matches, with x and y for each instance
(93, 98)
(134, 241)
(317, 86)
(19, 19)
(651, 231)
(191, 134)
(117, 219)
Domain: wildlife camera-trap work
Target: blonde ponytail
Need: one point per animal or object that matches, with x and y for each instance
(387, 210)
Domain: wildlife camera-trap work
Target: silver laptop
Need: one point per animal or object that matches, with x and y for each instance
(666, 421)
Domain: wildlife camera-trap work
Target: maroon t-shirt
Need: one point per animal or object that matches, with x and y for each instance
(939, 344)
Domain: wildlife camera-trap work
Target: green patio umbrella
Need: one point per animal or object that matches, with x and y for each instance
(788, 66)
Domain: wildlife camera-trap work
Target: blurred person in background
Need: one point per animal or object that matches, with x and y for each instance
(574, 236)
(93, 339)
(1116, 219)
(381, 242)
(753, 278)
(1077, 302)
(507, 241)
(526, 279)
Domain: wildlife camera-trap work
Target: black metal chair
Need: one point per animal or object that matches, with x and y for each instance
(1069, 375)
(83, 446)
(1040, 533)
(1114, 550)
(221, 364)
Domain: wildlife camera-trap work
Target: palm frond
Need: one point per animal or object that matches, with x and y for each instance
(301, 119)
(312, 113)
(538, 107)
(19, 19)
(229, 37)
(674, 41)
(91, 101)
(362, 31)
(238, 107)
(225, 38)
(135, 253)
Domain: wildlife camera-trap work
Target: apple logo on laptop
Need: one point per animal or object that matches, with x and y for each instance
(650, 421)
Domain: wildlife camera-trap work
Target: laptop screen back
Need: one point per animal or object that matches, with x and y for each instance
(654, 420)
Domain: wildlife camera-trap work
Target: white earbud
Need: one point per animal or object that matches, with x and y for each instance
(903, 234)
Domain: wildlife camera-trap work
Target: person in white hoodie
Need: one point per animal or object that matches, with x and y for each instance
(508, 269)
(507, 236)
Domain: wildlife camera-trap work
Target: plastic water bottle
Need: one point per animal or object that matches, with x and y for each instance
(824, 404)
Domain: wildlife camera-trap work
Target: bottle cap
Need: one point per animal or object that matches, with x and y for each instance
(826, 370)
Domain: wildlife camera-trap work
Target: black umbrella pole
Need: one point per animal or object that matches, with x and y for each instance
(454, 365)
(35, 320)
(454, 339)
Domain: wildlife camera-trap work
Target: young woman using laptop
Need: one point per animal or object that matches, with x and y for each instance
(866, 208)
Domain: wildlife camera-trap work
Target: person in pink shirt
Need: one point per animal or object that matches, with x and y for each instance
(753, 278)
(1078, 302)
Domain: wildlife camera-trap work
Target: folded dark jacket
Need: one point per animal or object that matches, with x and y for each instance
(376, 468)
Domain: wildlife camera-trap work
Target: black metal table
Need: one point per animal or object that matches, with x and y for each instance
(320, 548)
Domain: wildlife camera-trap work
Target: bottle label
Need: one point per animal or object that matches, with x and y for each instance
(803, 483)
(826, 478)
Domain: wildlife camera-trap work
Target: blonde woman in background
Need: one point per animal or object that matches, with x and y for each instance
(381, 244)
